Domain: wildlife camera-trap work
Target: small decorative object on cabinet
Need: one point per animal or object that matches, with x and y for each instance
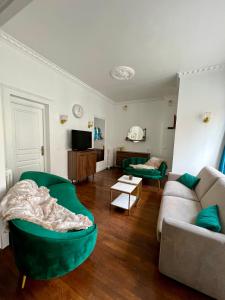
(81, 164)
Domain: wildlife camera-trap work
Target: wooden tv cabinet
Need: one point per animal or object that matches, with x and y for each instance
(81, 164)
(121, 155)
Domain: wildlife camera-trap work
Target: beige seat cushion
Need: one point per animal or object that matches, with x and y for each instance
(208, 177)
(177, 189)
(178, 209)
(216, 195)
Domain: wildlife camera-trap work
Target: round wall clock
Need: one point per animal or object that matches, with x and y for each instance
(77, 110)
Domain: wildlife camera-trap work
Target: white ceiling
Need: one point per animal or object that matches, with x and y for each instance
(8, 8)
(156, 38)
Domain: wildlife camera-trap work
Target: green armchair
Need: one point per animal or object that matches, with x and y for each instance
(44, 254)
(156, 174)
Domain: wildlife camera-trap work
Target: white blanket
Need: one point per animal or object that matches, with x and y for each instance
(141, 166)
(26, 201)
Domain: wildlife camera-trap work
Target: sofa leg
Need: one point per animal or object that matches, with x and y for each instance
(159, 185)
(24, 278)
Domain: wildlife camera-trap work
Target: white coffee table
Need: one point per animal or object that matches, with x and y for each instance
(126, 200)
(135, 181)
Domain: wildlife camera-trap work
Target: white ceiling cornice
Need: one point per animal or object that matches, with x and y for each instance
(137, 101)
(36, 56)
(202, 70)
(147, 100)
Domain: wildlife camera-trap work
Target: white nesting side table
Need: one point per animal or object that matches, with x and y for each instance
(126, 186)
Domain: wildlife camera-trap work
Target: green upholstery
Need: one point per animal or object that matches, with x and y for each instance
(209, 218)
(133, 161)
(44, 254)
(158, 174)
(189, 180)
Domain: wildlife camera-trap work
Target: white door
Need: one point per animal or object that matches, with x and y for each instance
(25, 136)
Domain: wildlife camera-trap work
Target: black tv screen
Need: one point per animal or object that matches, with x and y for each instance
(81, 140)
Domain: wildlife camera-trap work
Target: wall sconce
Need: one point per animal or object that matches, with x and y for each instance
(63, 119)
(90, 124)
(206, 117)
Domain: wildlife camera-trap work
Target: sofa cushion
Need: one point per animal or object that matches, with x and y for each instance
(209, 218)
(178, 209)
(177, 189)
(216, 196)
(188, 180)
(208, 176)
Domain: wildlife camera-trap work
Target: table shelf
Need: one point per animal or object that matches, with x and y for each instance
(122, 201)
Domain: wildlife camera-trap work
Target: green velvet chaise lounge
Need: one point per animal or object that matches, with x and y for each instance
(44, 254)
(156, 174)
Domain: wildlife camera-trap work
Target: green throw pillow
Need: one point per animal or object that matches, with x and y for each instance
(189, 180)
(209, 218)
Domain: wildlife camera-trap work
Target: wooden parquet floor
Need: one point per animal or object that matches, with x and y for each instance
(124, 264)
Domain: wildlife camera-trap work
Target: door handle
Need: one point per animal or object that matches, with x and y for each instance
(42, 150)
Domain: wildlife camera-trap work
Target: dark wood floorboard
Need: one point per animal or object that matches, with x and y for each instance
(124, 264)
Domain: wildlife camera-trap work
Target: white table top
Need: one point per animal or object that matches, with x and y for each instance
(124, 187)
(134, 180)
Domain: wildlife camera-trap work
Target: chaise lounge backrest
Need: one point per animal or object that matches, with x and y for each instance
(162, 168)
(133, 161)
(43, 179)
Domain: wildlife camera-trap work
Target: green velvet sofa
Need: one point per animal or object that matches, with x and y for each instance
(44, 254)
(156, 174)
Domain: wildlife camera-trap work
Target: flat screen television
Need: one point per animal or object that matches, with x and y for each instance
(81, 140)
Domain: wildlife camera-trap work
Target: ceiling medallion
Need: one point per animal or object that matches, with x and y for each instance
(122, 73)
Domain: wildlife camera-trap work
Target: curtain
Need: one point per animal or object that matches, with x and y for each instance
(222, 162)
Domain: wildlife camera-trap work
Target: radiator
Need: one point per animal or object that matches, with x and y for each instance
(8, 179)
(4, 232)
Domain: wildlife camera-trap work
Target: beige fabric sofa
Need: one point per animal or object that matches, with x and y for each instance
(190, 254)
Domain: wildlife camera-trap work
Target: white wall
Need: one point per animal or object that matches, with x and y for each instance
(2, 154)
(198, 144)
(24, 72)
(155, 116)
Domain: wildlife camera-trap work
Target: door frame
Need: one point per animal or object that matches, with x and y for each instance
(7, 95)
(101, 165)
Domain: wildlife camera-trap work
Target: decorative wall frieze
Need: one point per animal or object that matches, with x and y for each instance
(217, 67)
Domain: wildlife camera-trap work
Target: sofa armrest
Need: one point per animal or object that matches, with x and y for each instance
(194, 256)
(173, 176)
(125, 163)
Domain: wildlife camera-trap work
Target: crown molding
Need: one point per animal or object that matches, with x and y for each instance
(147, 100)
(217, 67)
(38, 57)
(138, 101)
